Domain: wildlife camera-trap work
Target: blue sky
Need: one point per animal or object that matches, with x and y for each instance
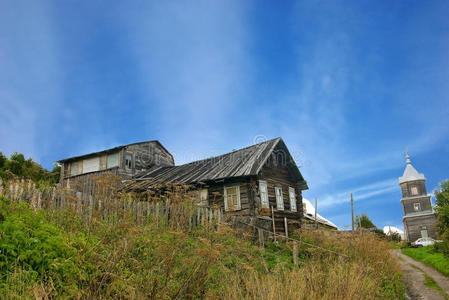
(346, 84)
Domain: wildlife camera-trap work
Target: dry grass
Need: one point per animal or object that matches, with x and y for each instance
(370, 273)
(153, 260)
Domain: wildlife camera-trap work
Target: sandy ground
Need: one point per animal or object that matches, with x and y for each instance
(414, 278)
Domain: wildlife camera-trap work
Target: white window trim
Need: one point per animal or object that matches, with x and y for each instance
(264, 201)
(417, 204)
(280, 199)
(239, 205)
(414, 190)
(291, 192)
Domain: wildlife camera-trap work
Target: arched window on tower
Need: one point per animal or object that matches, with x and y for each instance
(414, 190)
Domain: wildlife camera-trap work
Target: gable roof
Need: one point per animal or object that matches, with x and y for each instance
(244, 162)
(111, 150)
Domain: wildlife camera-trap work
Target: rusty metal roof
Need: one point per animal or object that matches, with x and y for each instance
(243, 162)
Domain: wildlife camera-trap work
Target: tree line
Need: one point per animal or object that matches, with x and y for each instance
(17, 166)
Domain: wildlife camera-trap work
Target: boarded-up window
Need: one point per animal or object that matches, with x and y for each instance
(203, 199)
(263, 193)
(91, 165)
(112, 160)
(291, 196)
(128, 161)
(414, 190)
(74, 169)
(279, 199)
(232, 197)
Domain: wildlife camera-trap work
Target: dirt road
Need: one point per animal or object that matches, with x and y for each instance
(414, 277)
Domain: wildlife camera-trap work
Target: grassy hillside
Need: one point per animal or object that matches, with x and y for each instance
(54, 254)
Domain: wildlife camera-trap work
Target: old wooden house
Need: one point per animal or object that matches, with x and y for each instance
(253, 183)
(124, 161)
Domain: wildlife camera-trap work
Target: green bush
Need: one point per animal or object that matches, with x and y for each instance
(28, 242)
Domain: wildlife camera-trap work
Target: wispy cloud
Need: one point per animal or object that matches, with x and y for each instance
(194, 65)
(359, 193)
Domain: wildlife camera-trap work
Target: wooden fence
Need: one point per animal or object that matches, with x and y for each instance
(108, 206)
(112, 207)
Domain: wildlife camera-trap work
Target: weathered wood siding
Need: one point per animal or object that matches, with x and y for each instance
(216, 196)
(144, 156)
(407, 187)
(278, 176)
(414, 225)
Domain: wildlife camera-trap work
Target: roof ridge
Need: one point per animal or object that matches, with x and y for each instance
(241, 149)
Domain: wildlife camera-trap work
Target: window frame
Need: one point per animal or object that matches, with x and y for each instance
(264, 201)
(415, 205)
(414, 190)
(131, 161)
(279, 198)
(113, 157)
(72, 165)
(203, 201)
(225, 194)
(293, 206)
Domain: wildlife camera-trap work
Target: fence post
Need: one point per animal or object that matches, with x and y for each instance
(274, 226)
(286, 227)
(295, 253)
(39, 198)
(261, 238)
(157, 215)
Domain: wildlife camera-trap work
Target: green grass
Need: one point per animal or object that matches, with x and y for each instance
(429, 256)
(55, 254)
(433, 285)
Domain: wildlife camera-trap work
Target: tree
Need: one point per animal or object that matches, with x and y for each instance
(442, 208)
(17, 166)
(364, 222)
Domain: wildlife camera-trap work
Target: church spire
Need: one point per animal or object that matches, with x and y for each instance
(410, 173)
(407, 157)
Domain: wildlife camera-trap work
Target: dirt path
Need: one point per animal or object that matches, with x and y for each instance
(414, 278)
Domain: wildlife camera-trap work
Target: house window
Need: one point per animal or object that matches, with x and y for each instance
(91, 164)
(203, 197)
(112, 160)
(232, 197)
(414, 190)
(263, 193)
(291, 196)
(74, 169)
(417, 206)
(128, 161)
(279, 199)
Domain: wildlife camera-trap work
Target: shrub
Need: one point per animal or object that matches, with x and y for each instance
(34, 247)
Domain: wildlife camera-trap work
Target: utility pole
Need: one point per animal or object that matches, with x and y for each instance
(352, 212)
(316, 208)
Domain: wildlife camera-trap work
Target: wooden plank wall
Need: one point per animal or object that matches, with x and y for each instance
(216, 198)
(277, 175)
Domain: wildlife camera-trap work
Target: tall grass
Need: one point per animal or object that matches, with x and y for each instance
(152, 260)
